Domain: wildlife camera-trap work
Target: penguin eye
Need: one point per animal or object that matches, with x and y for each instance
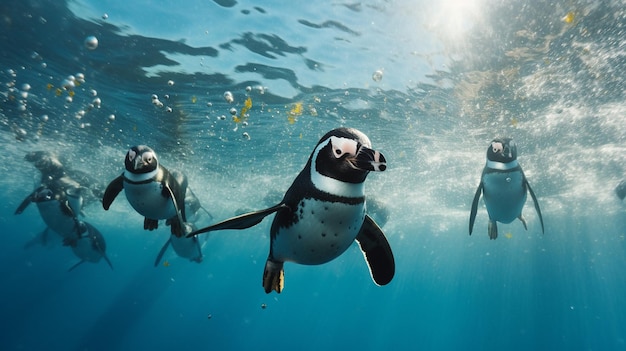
(131, 154)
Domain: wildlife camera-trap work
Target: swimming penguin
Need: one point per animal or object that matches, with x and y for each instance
(189, 248)
(91, 246)
(152, 190)
(323, 212)
(58, 210)
(504, 187)
(58, 176)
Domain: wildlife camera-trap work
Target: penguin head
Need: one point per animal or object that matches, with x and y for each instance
(502, 150)
(346, 154)
(48, 163)
(141, 159)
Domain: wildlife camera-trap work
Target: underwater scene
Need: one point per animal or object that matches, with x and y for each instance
(330, 175)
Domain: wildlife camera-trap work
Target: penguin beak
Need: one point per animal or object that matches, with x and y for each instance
(138, 163)
(367, 159)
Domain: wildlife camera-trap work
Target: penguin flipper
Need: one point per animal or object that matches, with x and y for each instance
(76, 265)
(376, 251)
(162, 252)
(200, 256)
(177, 225)
(112, 190)
(475, 207)
(273, 276)
(108, 261)
(242, 221)
(27, 201)
(41, 238)
(532, 194)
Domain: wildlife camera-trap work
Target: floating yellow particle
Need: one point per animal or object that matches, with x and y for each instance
(508, 235)
(194, 99)
(247, 105)
(166, 264)
(49, 86)
(569, 18)
(58, 92)
(514, 122)
(296, 110)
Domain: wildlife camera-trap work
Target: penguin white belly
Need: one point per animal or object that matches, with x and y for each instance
(85, 250)
(323, 232)
(187, 247)
(148, 200)
(504, 195)
(51, 213)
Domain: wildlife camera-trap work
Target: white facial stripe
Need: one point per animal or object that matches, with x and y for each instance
(342, 146)
(497, 147)
(330, 185)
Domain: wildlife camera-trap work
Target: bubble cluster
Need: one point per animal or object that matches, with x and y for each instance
(228, 96)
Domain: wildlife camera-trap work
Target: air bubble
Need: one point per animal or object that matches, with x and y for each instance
(91, 42)
(228, 96)
(233, 111)
(377, 76)
(80, 78)
(170, 82)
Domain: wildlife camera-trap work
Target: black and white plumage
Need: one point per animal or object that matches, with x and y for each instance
(90, 247)
(152, 190)
(59, 210)
(504, 187)
(184, 247)
(324, 212)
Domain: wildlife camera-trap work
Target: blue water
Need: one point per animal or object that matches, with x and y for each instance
(455, 74)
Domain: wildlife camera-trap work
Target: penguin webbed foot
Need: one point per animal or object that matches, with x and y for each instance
(273, 276)
(150, 224)
(523, 221)
(493, 230)
(176, 227)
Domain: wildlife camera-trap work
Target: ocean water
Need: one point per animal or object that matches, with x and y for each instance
(430, 83)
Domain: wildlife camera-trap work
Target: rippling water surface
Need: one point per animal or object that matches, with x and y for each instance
(430, 83)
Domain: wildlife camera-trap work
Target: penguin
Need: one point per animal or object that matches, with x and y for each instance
(504, 188)
(58, 176)
(324, 211)
(152, 190)
(91, 246)
(189, 248)
(58, 210)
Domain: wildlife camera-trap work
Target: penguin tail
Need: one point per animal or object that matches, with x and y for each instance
(493, 230)
(273, 276)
